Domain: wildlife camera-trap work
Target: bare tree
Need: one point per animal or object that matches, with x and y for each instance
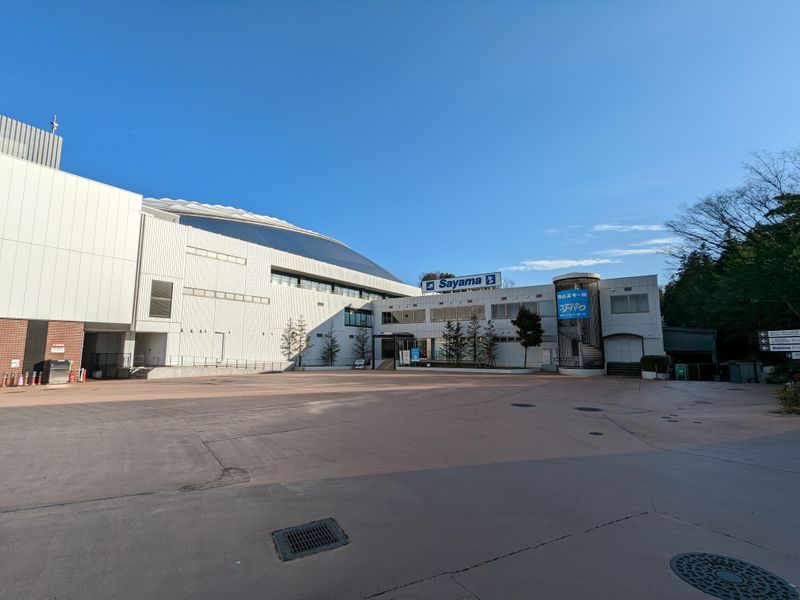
(731, 216)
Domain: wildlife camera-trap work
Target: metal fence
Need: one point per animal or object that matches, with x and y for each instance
(142, 361)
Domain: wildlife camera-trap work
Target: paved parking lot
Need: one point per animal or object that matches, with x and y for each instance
(446, 489)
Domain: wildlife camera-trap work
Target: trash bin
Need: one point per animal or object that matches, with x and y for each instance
(57, 371)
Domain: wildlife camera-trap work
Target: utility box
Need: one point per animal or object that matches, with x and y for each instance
(57, 371)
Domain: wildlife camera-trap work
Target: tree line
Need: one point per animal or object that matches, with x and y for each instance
(296, 341)
(478, 345)
(738, 267)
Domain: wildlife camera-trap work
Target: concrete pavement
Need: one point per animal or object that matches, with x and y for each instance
(446, 490)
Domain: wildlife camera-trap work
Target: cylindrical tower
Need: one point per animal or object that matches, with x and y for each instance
(580, 337)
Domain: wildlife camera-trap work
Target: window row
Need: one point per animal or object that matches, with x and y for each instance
(357, 317)
(403, 316)
(632, 303)
(544, 308)
(457, 313)
(216, 255)
(325, 287)
(187, 291)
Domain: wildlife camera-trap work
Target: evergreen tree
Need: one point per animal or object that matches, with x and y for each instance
(458, 343)
(473, 339)
(331, 348)
(447, 337)
(488, 349)
(362, 344)
(302, 339)
(288, 339)
(529, 330)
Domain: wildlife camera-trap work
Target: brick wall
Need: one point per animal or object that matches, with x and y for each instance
(68, 333)
(12, 343)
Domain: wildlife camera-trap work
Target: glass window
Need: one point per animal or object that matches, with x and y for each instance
(161, 299)
(619, 304)
(639, 303)
(631, 303)
(547, 308)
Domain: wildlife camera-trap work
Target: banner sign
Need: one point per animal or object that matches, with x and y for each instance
(573, 304)
(414, 354)
(465, 282)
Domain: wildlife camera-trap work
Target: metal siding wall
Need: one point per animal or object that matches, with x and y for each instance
(55, 268)
(30, 143)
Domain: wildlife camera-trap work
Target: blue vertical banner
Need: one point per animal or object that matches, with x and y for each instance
(414, 354)
(573, 304)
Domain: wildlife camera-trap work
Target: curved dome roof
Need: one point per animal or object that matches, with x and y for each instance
(267, 231)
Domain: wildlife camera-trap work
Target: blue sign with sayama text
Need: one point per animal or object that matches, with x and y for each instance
(573, 304)
(465, 282)
(414, 354)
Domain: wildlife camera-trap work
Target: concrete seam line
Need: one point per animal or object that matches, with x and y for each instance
(514, 552)
(465, 588)
(723, 533)
(731, 460)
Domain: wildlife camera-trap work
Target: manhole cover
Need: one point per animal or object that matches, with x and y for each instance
(726, 577)
(523, 405)
(596, 433)
(588, 409)
(309, 538)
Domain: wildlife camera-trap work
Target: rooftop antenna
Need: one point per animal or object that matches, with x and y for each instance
(54, 124)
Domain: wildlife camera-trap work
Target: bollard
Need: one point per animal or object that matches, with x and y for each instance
(21, 380)
(27, 380)
(4, 381)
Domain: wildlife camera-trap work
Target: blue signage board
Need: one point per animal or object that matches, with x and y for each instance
(465, 282)
(414, 354)
(573, 304)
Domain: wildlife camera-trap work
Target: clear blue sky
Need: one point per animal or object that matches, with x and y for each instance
(454, 135)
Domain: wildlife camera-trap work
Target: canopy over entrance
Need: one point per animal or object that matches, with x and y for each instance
(393, 336)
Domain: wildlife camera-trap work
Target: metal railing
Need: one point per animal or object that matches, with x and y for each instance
(142, 361)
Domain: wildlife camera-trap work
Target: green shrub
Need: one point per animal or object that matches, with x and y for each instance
(651, 362)
(788, 371)
(789, 399)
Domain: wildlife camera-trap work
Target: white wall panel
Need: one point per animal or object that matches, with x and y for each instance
(47, 282)
(6, 166)
(99, 225)
(78, 216)
(19, 279)
(41, 212)
(66, 258)
(53, 223)
(65, 228)
(8, 255)
(14, 199)
(33, 280)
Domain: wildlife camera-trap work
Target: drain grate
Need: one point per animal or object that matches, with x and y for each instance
(523, 405)
(309, 538)
(726, 577)
(588, 409)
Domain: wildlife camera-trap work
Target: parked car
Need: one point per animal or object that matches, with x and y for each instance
(359, 363)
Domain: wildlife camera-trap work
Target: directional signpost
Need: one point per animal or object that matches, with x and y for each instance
(780, 340)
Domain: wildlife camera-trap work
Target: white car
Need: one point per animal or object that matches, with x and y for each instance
(359, 363)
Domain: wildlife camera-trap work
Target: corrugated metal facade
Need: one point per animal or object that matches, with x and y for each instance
(251, 331)
(30, 143)
(68, 245)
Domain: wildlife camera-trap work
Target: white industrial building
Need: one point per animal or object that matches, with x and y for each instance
(113, 282)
